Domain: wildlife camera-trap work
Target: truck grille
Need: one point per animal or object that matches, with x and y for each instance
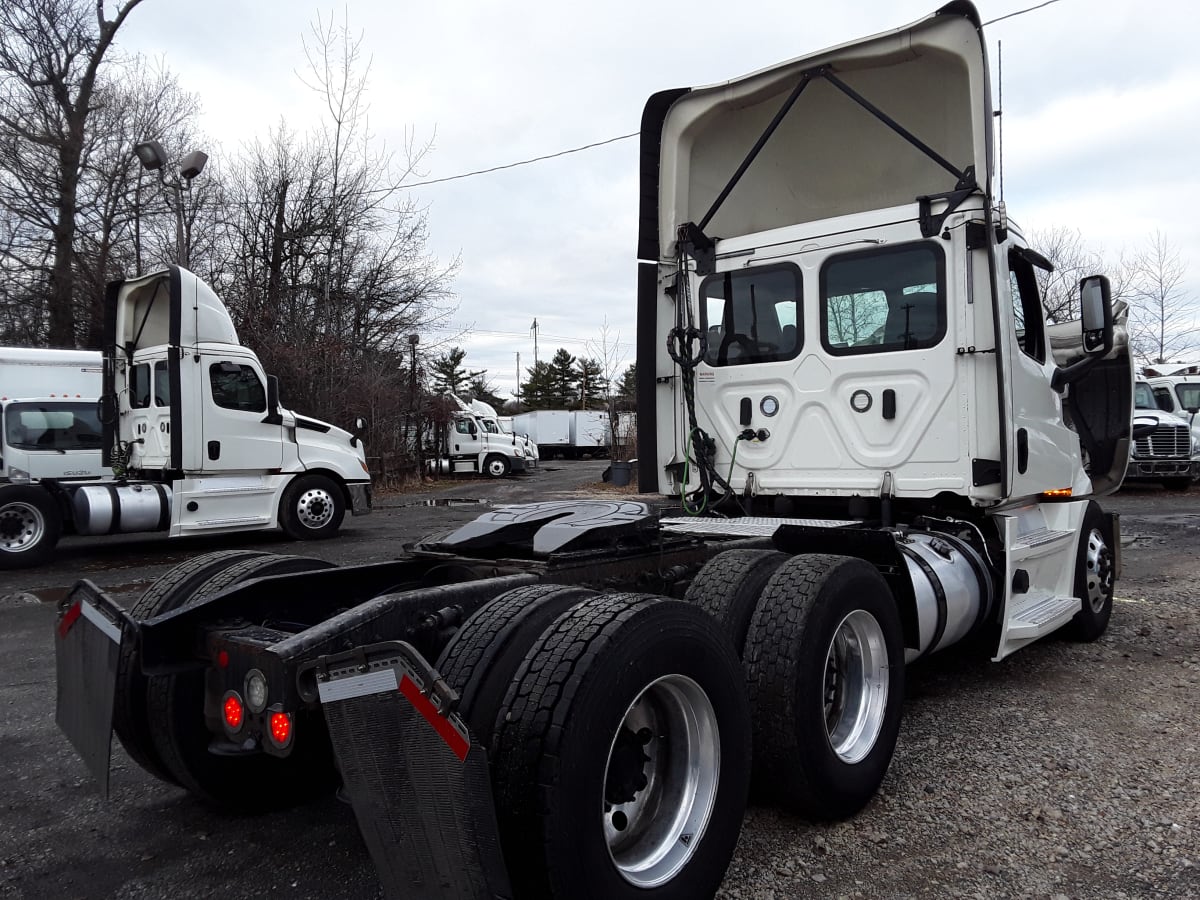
(1166, 441)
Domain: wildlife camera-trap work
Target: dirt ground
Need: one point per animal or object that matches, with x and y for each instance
(1065, 771)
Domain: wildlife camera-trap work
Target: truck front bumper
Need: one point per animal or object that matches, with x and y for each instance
(1154, 469)
(360, 497)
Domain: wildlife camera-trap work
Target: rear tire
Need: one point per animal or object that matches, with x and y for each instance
(181, 736)
(1094, 577)
(729, 585)
(172, 591)
(30, 526)
(484, 655)
(312, 508)
(824, 664)
(621, 758)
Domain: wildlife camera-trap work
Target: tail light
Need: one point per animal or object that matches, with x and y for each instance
(232, 712)
(280, 729)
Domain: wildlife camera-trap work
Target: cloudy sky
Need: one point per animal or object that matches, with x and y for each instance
(1101, 120)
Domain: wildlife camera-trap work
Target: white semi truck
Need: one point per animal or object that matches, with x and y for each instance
(843, 355)
(188, 437)
(474, 442)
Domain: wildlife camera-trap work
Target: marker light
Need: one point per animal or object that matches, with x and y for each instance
(1057, 494)
(233, 712)
(281, 728)
(256, 691)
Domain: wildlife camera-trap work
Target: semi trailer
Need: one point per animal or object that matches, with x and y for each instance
(865, 452)
(186, 434)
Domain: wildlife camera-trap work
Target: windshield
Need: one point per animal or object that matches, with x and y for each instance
(53, 426)
(1188, 394)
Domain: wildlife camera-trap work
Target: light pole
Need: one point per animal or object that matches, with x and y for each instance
(154, 159)
(413, 341)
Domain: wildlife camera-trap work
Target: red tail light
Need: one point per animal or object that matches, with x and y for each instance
(281, 729)
(231, 708)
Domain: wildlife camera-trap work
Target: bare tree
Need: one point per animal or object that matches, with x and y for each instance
(1164, 314)
(50, 57)
(1072, 260)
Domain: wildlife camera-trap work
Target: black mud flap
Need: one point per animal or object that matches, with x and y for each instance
(414, 773)
(86, 649)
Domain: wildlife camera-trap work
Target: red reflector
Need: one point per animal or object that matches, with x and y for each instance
(223, 659)
(233, 712)
(458, 744)
(69, 618)
(281, 728)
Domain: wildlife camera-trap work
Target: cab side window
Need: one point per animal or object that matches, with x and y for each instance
(162, 384)
(236, 386)
(1027, 308)
(1162, 396)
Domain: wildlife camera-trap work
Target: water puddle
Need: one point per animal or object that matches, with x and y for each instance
(447, 501)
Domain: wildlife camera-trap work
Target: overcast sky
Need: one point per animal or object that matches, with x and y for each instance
(1101, 124)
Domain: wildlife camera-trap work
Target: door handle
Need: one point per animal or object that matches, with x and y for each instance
(214, 449)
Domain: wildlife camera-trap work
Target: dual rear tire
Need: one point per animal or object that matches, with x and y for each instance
(620, 742)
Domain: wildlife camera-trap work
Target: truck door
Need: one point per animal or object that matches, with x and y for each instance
(148, 405)
(1043, 452)
(234, 401)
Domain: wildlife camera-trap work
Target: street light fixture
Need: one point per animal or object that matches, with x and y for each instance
(154, 159)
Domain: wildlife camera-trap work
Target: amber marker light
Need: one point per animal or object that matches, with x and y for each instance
(1057, 494)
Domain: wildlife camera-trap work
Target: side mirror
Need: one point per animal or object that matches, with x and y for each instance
(360, 425)
(474, 431)
(1095, 303)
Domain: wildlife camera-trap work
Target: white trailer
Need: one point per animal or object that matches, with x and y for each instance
(550, 429)
(193, 435)
(589, 432)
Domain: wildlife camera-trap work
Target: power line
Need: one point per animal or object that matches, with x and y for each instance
(1019, 12)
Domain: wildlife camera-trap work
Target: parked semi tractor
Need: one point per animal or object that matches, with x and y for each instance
(473, 441)
(843, 353)
(1166, 445)
(188, 437)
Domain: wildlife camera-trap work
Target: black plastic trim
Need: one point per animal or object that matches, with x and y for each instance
(312, 425)
(653, 116)
(647, 386)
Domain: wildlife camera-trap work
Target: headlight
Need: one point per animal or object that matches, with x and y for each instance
(520, 451)
(18, 476)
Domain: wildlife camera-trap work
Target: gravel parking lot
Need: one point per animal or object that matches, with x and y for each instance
(1064, 771)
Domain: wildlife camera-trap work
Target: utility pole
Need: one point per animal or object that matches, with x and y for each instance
(518, 381)
(533, 328)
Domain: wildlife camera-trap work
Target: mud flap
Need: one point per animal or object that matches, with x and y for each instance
(414, 773)
(86, 650)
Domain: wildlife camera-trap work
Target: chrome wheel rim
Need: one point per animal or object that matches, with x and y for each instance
(660, 780)
(1099, 572)
(22, 526)
(315, 508)
(496, 468)
(856, 686)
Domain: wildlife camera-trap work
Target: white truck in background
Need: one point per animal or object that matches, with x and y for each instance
(49, 423)
(589, 433)
(191, 438)
(474, 443)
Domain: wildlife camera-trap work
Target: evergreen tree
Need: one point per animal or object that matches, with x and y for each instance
(538, 392)
(593, 386)
(481, 388)
(564, 380)
(450, 376)
(627, 389)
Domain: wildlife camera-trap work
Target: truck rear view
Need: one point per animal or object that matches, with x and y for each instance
(843, 355)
